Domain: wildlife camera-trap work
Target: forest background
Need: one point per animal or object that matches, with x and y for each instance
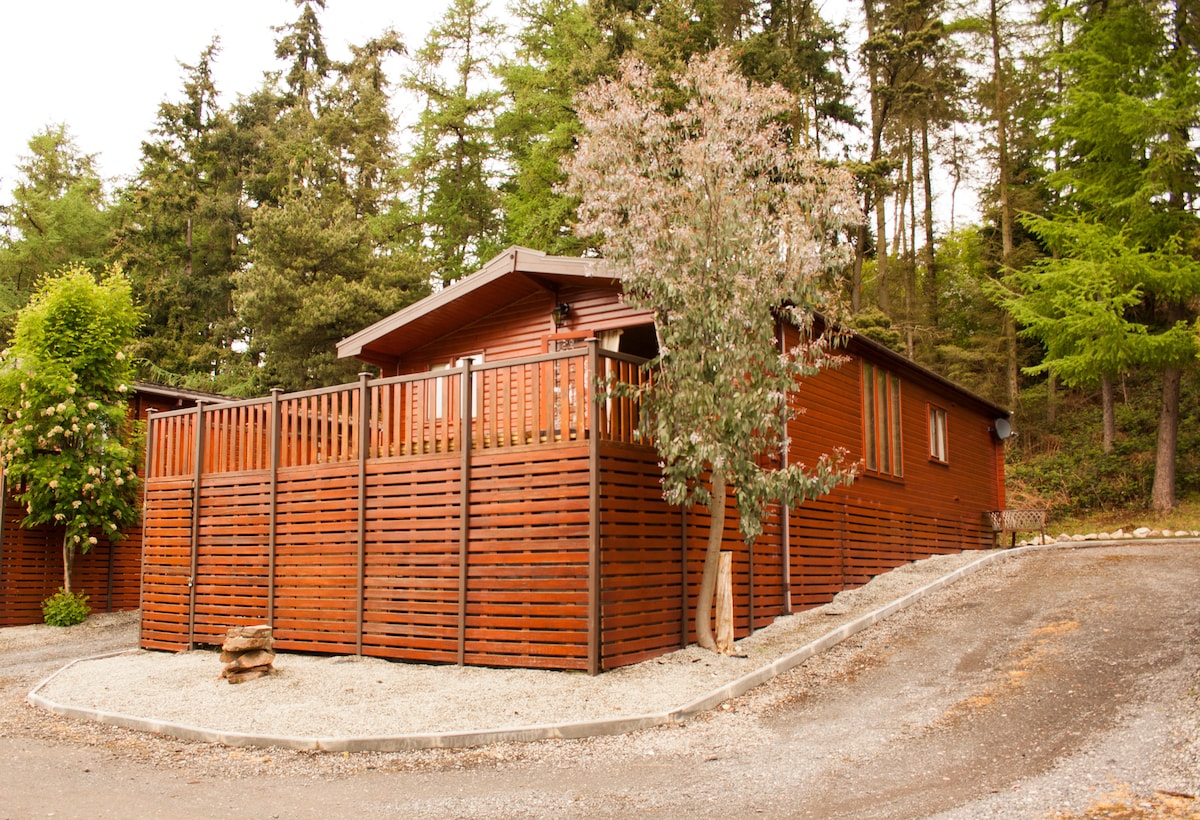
(258, 233)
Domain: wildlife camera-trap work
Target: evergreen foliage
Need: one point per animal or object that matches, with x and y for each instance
(57, 216)
(259, 232)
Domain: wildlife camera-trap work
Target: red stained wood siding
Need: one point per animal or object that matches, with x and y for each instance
(524, 328)
(388, 539)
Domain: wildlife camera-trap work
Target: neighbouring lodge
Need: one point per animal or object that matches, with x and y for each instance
(109, 574)
(480, 503)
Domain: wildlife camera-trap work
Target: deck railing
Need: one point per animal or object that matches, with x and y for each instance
(539, 400)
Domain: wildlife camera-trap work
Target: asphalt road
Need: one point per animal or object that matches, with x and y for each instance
(1060, 682)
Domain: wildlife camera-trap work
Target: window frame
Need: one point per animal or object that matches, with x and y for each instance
(939, 434)
(882, 420)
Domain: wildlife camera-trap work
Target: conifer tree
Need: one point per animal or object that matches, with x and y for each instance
(57, 216)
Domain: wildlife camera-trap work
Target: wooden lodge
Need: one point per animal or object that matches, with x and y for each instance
(109, 574)
(483, 503)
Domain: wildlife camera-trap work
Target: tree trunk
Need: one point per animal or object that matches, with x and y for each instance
(1109, 412)
(879, 184)
(712, 559)
(881, 257)
(1004, 172)
(68, 561)
(931, 283)
(1162, 495)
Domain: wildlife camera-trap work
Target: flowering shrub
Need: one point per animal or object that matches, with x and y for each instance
(67, 447)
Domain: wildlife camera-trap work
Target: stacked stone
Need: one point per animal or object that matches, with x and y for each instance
(247, 653)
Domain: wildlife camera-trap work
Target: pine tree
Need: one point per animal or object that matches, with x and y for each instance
(58, 215)
(452, 168)
(328, 249)
(181, 240)
(1126, 227)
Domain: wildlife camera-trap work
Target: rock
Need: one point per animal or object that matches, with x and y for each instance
(1168, 534)
(252, 631)
(1078, 537)
(242, 644)
(246, 674)
(1141, 532)
(1120, 533)
(248, 660)
(1063, 537)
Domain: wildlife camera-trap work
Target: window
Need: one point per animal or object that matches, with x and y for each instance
(937, 434)
(881, 421)
(438, 403)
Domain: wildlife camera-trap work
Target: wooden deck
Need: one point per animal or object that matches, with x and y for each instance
(499, 514)
(355, 520)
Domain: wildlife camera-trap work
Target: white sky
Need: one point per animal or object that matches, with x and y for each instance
(103, 66)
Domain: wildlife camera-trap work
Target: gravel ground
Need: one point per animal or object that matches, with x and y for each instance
(1087, 706)
(340, 697)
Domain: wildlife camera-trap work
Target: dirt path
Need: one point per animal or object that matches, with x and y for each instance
(1056, 682)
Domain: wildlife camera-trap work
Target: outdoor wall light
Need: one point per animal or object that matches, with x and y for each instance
(560, 313)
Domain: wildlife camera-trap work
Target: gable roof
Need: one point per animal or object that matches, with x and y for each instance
(518, 272)
(509, 276)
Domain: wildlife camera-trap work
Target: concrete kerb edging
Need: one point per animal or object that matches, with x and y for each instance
(569, 730)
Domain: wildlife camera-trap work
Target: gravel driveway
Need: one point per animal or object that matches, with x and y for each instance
(1057, 684)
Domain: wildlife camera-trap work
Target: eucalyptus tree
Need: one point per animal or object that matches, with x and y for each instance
(720, 225)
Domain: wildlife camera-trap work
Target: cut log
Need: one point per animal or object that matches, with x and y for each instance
(724, 604)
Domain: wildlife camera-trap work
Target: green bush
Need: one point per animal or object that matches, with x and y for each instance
(65, 608)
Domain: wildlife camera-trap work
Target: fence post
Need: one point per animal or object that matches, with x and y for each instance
(466, 432)
(364, 420)
(273, 502)
(197, 473)
(593, 579)
(3, 513)
(683, 576)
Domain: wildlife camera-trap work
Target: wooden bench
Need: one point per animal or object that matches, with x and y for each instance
(1005, 522)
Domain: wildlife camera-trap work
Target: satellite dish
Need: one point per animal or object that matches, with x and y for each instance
(1002, 429)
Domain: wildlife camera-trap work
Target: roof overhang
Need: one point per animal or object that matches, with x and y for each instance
(509, 276)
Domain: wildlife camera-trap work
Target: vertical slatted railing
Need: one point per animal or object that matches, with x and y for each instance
(315, 451)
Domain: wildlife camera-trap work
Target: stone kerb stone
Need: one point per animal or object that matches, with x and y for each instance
(1118, 535)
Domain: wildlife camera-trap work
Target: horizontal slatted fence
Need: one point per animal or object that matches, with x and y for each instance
(31, 569)
(641, 570)
(412, 573)
(166, 563)
(347, 549)
(366, 527)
